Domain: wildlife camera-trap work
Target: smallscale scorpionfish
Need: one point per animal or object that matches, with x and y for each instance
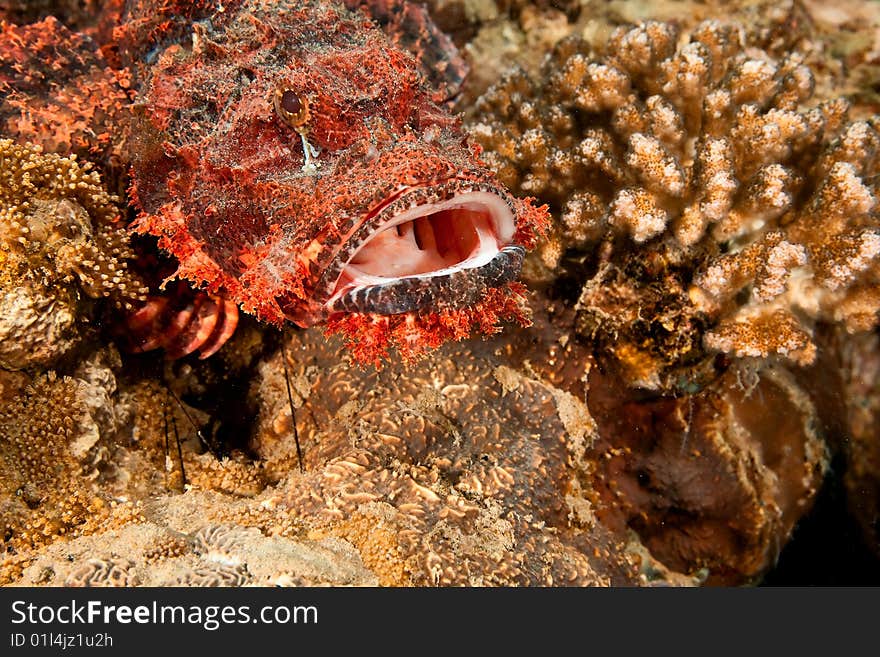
(298, 159)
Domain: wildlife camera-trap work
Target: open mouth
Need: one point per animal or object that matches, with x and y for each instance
(441, 254)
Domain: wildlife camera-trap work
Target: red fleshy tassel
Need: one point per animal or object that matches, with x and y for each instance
(370, 338)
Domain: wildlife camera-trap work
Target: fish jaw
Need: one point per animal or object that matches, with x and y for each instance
(430, 248)
(397, 284)
(427, 256)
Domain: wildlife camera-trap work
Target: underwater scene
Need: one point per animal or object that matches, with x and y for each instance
(439, 293)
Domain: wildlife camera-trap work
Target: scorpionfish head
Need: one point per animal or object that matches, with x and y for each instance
(298, 163)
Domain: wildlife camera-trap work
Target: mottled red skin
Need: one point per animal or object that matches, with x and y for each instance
(219, 176)
(408, 25)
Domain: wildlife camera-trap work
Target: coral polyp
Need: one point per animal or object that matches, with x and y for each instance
(61, 244)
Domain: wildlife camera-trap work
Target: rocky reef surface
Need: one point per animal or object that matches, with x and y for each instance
(704, 339)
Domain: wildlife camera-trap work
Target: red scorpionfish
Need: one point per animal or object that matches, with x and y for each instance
(297, 160)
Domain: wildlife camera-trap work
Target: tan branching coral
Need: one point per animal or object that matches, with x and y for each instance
(734, 209)
(60, 242)
(57, 90)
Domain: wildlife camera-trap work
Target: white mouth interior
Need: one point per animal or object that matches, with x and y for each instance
(429, 240)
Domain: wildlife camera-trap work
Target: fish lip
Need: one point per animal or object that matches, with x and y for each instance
(449, 289)
(483, 211)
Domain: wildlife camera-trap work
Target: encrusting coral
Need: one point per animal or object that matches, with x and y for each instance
(709, 206)
(149, 554)
(47, 463)
(461, 471)
(60, 243)
(711, 480)
(478, 467)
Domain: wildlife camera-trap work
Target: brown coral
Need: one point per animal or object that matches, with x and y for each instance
(464, 471)
(466, 462)
(711, 479)
(716, 479)
(103, 572)
(499, 462)
(733, 214)
(60, 243)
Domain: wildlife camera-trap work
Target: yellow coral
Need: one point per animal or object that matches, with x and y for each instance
(46, 444)
(57, 214)
(60, 241)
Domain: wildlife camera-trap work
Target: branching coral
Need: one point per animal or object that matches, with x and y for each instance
(703, 205)
(60, 240)
(733, 212)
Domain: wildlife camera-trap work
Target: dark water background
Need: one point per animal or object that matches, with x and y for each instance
(827, 547)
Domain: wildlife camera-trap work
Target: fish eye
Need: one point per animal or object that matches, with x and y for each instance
(291, 107)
